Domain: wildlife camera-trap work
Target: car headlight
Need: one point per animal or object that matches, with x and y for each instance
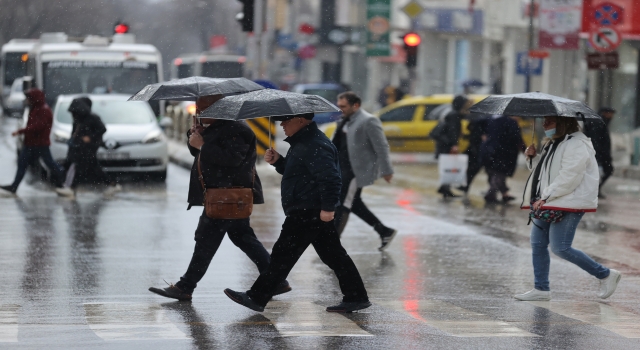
(61, 137)
(153, 137)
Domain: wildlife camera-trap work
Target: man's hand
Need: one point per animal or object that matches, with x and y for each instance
(196, 129)
(271, 156)
(531, 151)
(454, 150)
(388, 178)
(538, 205)
(196, 140)
(86, 139)
(15, 133)
(326, 216)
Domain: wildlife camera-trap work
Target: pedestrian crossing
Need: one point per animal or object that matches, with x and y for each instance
(115, 321)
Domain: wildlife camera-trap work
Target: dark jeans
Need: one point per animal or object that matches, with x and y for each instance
(298, 232)
(351, 202)
(497, 183)
(31, 154)
(209, 236)
(473, 168)
(607, 169)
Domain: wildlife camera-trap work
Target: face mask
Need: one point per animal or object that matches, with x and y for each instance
(550, 132)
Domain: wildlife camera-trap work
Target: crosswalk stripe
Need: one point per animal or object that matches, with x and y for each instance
(130, 321)
(454, 320)
(9, 323)
(598, 314)
(306, 319)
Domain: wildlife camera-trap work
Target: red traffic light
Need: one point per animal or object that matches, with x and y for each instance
(412, 39)
(121, 28)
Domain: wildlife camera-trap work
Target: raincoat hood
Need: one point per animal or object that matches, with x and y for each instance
(35, 97)
(80, 106)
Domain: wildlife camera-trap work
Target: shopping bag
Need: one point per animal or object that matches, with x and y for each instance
(453, 169)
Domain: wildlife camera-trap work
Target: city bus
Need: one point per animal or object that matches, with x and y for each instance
(62, 65)
(208, 65)
(13, 64)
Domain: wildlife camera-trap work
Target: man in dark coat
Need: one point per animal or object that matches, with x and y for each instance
(477, 132)
(227, 154)
(447, 134)
(598, 132)
(499, 155)
(310, 194)
(82, 160)
(36, 140)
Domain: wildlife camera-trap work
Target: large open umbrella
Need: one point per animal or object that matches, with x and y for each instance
(190, 89)
(534, 105)
(267, 103)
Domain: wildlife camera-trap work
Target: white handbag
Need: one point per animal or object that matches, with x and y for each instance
(453, 169)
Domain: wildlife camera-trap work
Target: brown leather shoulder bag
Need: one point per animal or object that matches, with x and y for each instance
(227, 203)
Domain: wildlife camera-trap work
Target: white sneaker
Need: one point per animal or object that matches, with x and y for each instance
(608, 285)
(65, 192)
(534, 295)
(112, 190)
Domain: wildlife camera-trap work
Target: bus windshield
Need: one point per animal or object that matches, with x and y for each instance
(222, 69)
(14, 67)
(96, 77)
(112, 112)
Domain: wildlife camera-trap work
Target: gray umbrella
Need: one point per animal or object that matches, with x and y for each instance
(189, 89)
(267, 103)
(533, 105)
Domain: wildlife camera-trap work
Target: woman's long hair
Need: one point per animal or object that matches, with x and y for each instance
(565, 126)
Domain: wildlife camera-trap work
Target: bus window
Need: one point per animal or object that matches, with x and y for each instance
(185, 70)
(222, 69)
(14, 67)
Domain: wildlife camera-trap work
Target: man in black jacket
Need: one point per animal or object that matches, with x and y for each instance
(598, 132)
(227, 152)
(86, 139)
(310, 194)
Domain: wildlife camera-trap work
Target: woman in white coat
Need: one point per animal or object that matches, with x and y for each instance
(562, 187)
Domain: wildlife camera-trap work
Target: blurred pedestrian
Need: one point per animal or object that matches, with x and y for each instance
(499, 155)
(447, 134)
(226, 151)
(310, 193)
(477, 134)
(561, 189)
(363, 153)
(36, 141)
(598, 132)
(82, 160)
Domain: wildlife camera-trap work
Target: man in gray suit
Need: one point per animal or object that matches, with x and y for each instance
(363, 152)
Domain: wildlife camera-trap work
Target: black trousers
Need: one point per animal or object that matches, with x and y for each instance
(497, 183)
(209, 236)
(298, 232)
(607, 168)
(351, 202)
(473, 168)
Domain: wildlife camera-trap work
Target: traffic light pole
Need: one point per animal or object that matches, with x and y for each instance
(255, 46)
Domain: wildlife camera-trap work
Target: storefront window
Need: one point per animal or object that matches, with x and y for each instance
(624, 93)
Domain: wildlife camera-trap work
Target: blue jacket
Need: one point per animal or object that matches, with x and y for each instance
(310, 172)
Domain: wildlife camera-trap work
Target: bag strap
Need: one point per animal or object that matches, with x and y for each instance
(204, 188)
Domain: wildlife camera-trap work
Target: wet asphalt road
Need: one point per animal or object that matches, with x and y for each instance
(74, 274)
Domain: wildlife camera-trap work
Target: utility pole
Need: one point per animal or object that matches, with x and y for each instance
(256, 43)
(527, 79)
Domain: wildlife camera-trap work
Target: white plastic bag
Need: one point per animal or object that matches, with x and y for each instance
(453, 169)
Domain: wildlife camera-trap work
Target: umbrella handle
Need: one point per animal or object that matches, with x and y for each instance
(533, 133)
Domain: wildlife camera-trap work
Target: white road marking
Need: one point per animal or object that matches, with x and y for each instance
(598, 314)
(454, 320)
(130, 321)
(306, 319)
(9, 323)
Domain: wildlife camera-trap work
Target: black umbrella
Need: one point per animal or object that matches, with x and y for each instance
(189, 89)
(533, 105)
(267, 103)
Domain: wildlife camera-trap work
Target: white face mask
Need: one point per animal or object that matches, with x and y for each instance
(550, 132)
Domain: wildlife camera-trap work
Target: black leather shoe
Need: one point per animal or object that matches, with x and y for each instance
(347, 307)
(8, 189)
(283, 287)
(172, 292)
(243, 299)
(386, 238)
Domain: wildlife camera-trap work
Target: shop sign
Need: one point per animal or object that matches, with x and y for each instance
(609, 60)
(560, 24)
(378, 27)
(454, 21)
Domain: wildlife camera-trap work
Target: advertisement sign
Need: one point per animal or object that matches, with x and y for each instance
(560, 24)
(378, 27)
(623, 15)
(526, 63)
(456, 21)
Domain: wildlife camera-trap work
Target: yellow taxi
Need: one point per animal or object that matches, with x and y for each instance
(408, 122)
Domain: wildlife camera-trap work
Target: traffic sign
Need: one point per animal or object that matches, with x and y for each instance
(413, 9)
(526, 63)
(609, 60)
(608, 14)
(605, 39)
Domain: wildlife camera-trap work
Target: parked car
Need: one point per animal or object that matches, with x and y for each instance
(408, 122)
(329, 91)
(134, 141)
(14, 103)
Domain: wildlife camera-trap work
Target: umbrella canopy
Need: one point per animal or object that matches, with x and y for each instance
(267, 103)
(189, 89)
(533, 105)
